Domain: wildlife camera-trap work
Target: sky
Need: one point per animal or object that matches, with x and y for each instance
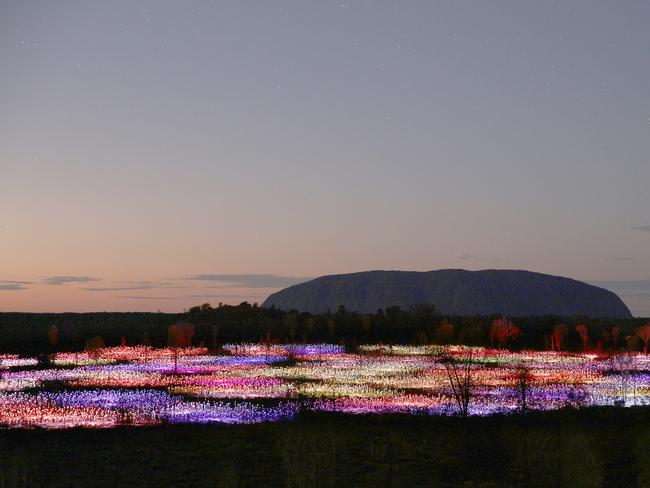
(155, 155)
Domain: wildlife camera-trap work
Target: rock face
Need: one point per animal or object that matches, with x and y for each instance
(453, 292)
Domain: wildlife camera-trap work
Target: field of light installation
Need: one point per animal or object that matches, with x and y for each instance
(252, 383)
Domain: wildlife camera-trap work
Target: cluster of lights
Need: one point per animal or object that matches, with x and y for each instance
(109, 355)
(284, 349)
(14, 361)
(110, 408)
(256, 383)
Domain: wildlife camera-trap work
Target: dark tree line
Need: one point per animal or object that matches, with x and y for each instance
(37, 333)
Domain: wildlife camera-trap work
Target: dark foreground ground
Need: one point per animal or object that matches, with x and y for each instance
(592, 447)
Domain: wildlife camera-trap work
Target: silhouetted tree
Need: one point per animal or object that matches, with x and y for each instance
(523, 378)
(94, 345)
(502, 331)
(459, 374)
(179, 335)
(52, 336)
(215, 336)
(643, 333)
(604, 340)
(444, 332)
(558, 336)
(632, 343)
(330, 328)
(581, 329)
(616, 332)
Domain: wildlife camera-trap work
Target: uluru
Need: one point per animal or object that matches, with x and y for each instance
(516, 293)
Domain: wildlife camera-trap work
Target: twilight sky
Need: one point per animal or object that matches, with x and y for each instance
(158, 155)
